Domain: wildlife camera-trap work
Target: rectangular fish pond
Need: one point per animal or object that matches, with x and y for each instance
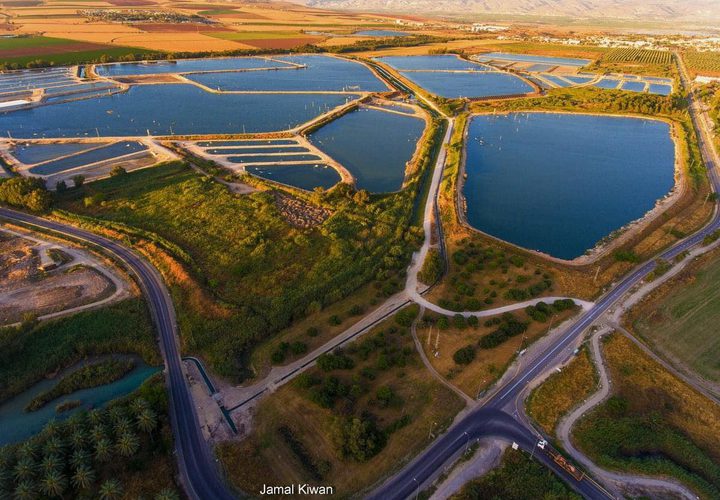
(437, 75)
(322, 73)
(144, 110)
(306, 176)
(559, 183)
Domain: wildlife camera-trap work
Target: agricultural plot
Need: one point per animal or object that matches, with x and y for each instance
(19, 51)
(702, 63)
(639, 56)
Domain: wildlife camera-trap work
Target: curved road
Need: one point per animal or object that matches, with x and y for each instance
(198, 470)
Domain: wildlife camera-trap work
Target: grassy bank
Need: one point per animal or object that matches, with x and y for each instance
(561, 392)
(30, 352)
(243, 272)
(517, 477)
(92, 375)
(653, 423)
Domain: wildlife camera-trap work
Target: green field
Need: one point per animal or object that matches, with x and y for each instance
(256, 272)
(57, 53)
(684, 323)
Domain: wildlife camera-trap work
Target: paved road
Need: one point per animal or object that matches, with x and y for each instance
(478, 424)
(198, 469)
(486, 422)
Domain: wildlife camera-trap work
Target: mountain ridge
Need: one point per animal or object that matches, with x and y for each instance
(658, 10)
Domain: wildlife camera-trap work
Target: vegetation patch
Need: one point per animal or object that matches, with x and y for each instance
(260, 273)
(123, 451)
(653, 423)
(26, 354)
(702, 63)
(86, 377)
(561, 392)
(679, 318)
(360, 414)
(518, 477)
(472, 353)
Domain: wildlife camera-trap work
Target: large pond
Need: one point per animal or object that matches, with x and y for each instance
(321, 73)
(149, 109)
(450, 76)
(16, 424)
(373, 145)
(559, 183)
(186, 65)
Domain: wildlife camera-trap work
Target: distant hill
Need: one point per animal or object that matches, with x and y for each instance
(701, 11)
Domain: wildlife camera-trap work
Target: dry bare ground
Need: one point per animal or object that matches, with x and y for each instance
(42, 278)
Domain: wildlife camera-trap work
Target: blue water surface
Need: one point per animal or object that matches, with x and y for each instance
(559, 183)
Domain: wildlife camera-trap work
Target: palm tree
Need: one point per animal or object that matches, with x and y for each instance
(51, 463)
(7, 462)
(146, 420)
(110, 490)
(53, 484)
(122, 425)
(27, 450)
(103, 450)
(167, 494)
(78, 439)
(116, 413)
(98, 432)
(53, 446)
(83, 478)
(24, 469)
(25, 491)
(128, 444)
(51, 428)
(79, 457)
(138, 405)
(96, 417)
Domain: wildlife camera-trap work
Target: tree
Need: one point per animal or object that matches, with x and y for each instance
(146, 420)
(83, 477)
(53, 484)
(167, 494)
(79, 457)
(51, 463)
(78, 180)
(103, 450)
(24, 469)
(110, 490)
(359, 438)
(25, 192)
(25, 491)
(117, 170)
(61, 187)
(464, 355)
(128, 444)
